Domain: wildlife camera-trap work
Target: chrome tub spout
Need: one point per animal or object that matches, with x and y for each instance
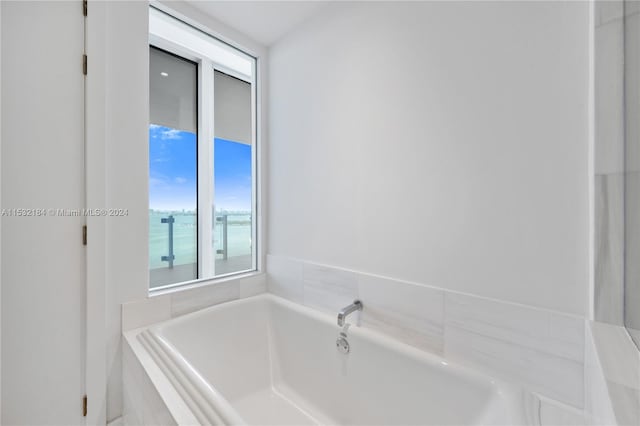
(342, 315)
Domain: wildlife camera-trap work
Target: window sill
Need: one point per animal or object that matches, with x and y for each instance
(205, 282)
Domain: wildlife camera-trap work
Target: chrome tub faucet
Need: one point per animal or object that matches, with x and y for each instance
(342, 315)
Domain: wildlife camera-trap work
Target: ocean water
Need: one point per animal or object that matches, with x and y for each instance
(185, 237)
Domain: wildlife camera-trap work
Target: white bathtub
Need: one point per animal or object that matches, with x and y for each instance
(267, 361)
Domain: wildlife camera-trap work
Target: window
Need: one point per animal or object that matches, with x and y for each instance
(202, 156)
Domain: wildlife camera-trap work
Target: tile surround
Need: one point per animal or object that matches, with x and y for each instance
(623, 359)
(597, 405)
(166, 306)
(549, 375)
(632, 8)
(538, 329)
(607, 11)
(328, 289)
(184, 302)
(612, 361)
(284, 278)
(617, 149)
(609, 248)
(145, 312)
(540, 349)
(632, 251)
(626, 403)
(414, 315)
(609, 95)
(632, 92)
(253, 285)
(411, 313)
(632, 182)
(612, 372)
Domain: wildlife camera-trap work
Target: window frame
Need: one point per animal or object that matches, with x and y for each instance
(206, 68)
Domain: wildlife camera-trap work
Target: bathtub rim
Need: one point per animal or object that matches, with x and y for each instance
(173, 401)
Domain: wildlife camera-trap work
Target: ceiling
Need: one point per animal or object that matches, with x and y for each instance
(264, 21)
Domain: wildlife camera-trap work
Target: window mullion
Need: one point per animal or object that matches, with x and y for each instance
(206, 252)
(255, 213)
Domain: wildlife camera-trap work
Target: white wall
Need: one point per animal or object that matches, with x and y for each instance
(127, 116)
(439, 143)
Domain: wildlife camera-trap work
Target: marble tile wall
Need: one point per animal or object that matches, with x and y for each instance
(609, 162)
(617, 163)
(632, 167)
(411, 313)
(166, 306)
(607, 11)
(408, 312)
(597, 405)
(632, 182)
(541, 349)
(612, 374)
(609, 248)
(609, 89)
(632, 84)
(632, 254)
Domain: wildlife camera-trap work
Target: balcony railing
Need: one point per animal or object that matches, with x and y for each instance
(173, 246)
(170, 257)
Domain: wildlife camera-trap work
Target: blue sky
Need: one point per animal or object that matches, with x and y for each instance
(173, 175)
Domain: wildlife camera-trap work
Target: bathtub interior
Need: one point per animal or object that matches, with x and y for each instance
(275, 363)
